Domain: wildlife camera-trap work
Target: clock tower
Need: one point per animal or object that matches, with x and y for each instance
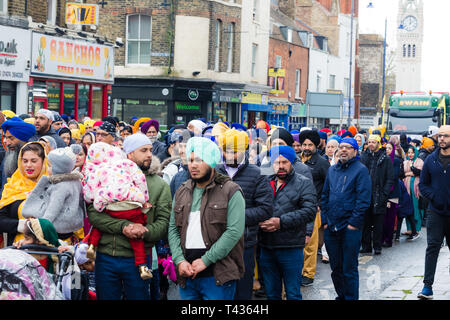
(410, 22)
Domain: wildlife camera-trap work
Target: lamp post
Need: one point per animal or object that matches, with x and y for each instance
(384, 58)
(349, 120)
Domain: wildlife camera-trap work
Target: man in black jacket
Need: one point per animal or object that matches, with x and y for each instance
(310, 141)
(258, 200)
(43, 123)
(381, 172)
(282, 237)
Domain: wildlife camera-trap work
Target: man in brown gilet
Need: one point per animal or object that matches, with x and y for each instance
(206, 227)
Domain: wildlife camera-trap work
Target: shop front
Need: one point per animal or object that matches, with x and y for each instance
(14, 67)
(279, 115)
(297, 118)
(71, 77)
(254, 107)
(168, 101)
(226, 102)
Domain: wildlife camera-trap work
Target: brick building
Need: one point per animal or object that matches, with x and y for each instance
(288, 67)
(67, 68)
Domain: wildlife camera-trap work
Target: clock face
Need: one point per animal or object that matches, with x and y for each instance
(410, 23)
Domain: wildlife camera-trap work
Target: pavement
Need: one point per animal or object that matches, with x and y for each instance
(396, 274)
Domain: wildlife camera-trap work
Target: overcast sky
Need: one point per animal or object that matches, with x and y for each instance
(435, 63)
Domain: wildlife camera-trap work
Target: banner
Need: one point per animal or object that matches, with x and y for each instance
(14, 54)
(84, 14)
(276, 80)
(66, 58)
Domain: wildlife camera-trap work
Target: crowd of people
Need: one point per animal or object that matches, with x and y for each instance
(224, 211)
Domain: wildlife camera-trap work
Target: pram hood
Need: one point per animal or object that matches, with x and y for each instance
(23, 277)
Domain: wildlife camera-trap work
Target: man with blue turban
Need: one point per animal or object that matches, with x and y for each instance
(283, 235)
(206, 227)
(16, 133)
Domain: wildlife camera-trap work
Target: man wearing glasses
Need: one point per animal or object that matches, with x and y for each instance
(435, 186)
(345, 198)
(106, 133)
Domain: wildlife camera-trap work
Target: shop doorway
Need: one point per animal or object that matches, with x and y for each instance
(39, 103)
(186, 118)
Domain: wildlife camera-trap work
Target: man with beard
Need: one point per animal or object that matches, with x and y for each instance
(116, 273)
(435, 186)
(381, 170)
(282, 237)
(258, 199)
(151, 130)
(311, 141)
(43, 123)
(206, 227)
(16, 133)
(344, 201)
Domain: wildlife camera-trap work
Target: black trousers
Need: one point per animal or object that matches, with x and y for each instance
(438, 227)
(372, 234)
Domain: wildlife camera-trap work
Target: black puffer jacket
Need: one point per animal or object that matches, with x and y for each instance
(295, 203)
(381, 170)
(258, 198)
(319, 169)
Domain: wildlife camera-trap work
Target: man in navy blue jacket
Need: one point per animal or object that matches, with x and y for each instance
(346, 196)
(435, 186)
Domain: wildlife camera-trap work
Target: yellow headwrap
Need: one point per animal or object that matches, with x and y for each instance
(29, 120)
(89, 123)
(219, 129)
(76, 134)
(18, 187)
(8, 113)
(138, 122)
(376, 138)
(82, 128)
(427, 142)
(234, 140)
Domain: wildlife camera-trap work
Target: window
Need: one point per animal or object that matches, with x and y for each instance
(348, 44)
(332, 83)
(346, 86)
(318, 77)
(217, 48)
(254, 53)
(414, 51)
(139, 39)
(230, 47)
(404, 51)
(409, 50)
(51, 12)
(277, 62)
(297, 83)
(289, 35)
(3, 6)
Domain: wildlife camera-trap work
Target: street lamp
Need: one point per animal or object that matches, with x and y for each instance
(349, 120)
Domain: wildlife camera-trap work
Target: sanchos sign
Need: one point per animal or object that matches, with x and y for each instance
(67, 58)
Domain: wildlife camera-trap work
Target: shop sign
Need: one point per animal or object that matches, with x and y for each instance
(67, 58)
(253, 98)
(280, 109)
(14, 54)
(83, 14)
(193, 94)
(276, 80)
(182, 106)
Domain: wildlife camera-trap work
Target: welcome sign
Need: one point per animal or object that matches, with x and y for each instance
(67, 58)
(14, 54)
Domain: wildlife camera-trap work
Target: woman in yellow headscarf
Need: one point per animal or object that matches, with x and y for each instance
(32, 165)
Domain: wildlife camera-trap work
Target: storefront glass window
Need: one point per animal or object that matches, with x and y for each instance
(155, 109)
(69, 99)
(83, 101)
(8, 95)
(53, 91)
(97, 97)
(222, 112)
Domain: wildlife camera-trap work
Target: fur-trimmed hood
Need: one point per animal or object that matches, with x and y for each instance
(166, 162)
(72, 176)
(155, 167)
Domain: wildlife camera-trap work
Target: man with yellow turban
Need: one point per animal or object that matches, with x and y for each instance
(258, 199)
(381, 170)
(218, 129)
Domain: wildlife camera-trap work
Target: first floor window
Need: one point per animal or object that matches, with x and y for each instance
(139, 39)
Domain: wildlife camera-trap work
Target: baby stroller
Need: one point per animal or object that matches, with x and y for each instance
(22, 277)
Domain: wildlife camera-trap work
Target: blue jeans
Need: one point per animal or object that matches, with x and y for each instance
(343, 250)
(154, 285)
(205, 288)
(116, 277)
(285, 265)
